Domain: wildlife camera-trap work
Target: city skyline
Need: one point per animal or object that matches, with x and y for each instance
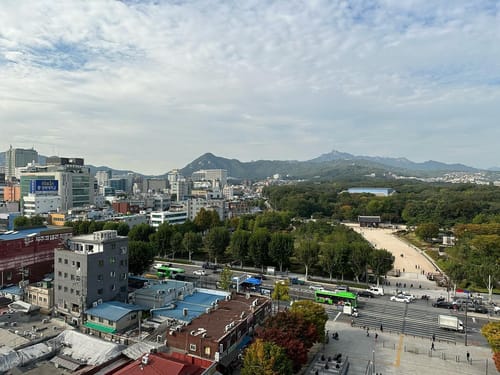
(150, 86)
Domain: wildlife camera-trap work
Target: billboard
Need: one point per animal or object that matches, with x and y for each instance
(44, 186)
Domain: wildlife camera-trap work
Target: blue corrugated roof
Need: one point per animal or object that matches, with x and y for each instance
(195, 305)
(112, 310)
(14, 289)
(20, 234)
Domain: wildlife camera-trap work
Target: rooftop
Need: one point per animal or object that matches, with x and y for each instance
(113, 310)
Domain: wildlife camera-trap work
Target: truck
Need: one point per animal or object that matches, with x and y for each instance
(451, 323)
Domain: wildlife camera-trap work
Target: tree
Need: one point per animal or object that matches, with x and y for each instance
(238, 245)
(37, 221)
(216, 241)
(358, 260)
(226, 278)
(281, 248)
(312, 312)
(328, 258)
(140, 256)
(123, 229)
(141, 232)
(258, 246)
(265, 358)
(20, 222)
(427, 231)
(292, 332)
(176, 243)
(191, 243)
(381, 262)
(281, 292)
(307, 252)
(161, 239)
(206, 219)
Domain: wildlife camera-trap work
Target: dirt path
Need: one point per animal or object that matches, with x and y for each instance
(412, 264)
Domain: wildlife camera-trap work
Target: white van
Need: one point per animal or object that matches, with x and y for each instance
(379, 291)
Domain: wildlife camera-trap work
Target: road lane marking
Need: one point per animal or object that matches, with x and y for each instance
(398, 353)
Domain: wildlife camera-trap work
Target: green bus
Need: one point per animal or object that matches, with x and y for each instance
(168, 272)
(339, 297)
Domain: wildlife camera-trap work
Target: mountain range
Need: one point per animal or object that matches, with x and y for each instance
(333, 164)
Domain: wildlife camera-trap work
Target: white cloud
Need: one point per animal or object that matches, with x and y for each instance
(151, 86)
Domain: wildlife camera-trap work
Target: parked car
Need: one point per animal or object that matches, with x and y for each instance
(400, 298)
(345, 288)
(210, 266)
(442, 304)
(366, 293)
(316, 287)
(199, 273)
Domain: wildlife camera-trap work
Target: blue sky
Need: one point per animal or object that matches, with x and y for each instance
(151, 85)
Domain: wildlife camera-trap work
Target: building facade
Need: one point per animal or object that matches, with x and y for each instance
(18, 157)
(90, 269)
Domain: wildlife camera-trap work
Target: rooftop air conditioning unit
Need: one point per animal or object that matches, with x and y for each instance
(99, 301)
(94, 304)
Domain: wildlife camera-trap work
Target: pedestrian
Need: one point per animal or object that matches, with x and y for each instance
(432, 346)
(433, 337)
(367, 331)
(468, 357)
(376, 336)
(381, 328)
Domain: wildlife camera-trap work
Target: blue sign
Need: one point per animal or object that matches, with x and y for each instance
(44, 186)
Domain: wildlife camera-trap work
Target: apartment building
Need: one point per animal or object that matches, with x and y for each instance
(90, 270)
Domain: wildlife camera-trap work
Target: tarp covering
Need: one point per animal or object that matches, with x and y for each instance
(253, 281)
(76, 345)
(99, 327)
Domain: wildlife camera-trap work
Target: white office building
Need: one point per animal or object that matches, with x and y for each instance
(34, 204)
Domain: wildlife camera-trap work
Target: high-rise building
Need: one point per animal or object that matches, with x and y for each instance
(18, 157)
(217, 177)
(69, 179)
(103, 177)
(90, 270)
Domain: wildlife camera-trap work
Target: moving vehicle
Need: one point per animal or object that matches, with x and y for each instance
(496, 309)
(316, 287)
(400, 298)
(366, 293)
(297, 281)
(451, 323)
(378, 291)
(210, 266)
(338, 297)
(169, 272)
(443, 304)
(199, 273)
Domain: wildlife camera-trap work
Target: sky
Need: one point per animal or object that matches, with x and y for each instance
(152, 85)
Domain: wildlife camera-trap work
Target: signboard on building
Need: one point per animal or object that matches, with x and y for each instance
(44, 186)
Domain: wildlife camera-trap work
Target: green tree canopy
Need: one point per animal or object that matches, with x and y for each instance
(140, 256)
(281, 248)
(307, 252)
(216, 242)
(191, 243)
(238, 246)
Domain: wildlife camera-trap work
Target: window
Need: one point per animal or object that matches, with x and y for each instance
(71, 290)
(112, 287)
(123, 276)
(112, 274)
(112, 260)
(66, 289)
(101, 263)
(73, 263)
(207, 351)
(101, 320)
(59, 260)
(77, 292)
(100, 277)
(65, 261)
(73, 277)
(77, 264)
(100, 291)
(59, 287)
(192, 347)
(59, 273)
(9, 275)
(65, 275)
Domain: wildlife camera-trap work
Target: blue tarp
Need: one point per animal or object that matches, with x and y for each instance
(253, 280)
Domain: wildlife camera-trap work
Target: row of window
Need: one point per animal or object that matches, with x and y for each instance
(100, 291)
(32, 298)
(206, 349)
